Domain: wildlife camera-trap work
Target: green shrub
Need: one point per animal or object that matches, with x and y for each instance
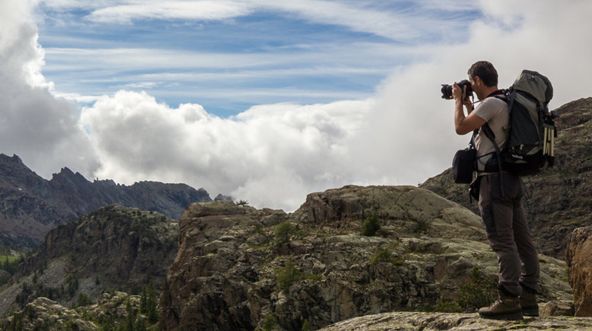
(448, 306)
(9, 263)
(283, 232)
(421, 226)
(83, 300)
(306, 326)
(287, 276)
(384, 254)
(270, 323)
(370, 226)
(478, 291)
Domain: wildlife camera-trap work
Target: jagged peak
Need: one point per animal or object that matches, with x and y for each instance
(13, 169)
(14, 158)
(13, 161)
(65, 171)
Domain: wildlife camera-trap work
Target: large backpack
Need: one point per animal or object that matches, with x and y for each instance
(531, 141)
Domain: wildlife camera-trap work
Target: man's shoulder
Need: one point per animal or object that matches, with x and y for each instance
(493, 104)
(495, 101)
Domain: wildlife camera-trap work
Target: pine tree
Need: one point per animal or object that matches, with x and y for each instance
(144, 301)
(130, 316)
(152, 306)
(140, 325)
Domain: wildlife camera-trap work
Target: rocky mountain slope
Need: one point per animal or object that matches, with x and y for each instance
(346, 252)
(113, 248)
(558, 199)
(30, 206)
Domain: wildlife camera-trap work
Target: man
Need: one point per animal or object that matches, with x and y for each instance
(500, 198)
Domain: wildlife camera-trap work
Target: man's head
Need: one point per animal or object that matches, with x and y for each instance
(483, 78)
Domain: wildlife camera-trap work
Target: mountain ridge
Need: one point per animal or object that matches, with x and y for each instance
(30, 205)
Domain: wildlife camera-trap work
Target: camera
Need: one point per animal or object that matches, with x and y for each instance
(464, 85)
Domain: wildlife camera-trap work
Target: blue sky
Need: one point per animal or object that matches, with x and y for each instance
(265, 100)
(266, 55)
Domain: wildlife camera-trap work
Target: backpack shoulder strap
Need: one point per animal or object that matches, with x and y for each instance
(489, 134)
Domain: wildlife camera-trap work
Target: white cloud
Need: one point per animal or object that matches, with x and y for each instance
(194, 10)
(34, 124)
(282, 151)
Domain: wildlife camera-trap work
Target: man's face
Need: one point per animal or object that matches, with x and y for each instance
(477, 86)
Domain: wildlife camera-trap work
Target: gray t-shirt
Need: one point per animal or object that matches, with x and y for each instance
(495, 112)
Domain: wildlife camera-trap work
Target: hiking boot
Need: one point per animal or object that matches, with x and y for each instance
(504, 308)
(528, 302)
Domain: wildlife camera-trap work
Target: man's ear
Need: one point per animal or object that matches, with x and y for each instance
(477, 80)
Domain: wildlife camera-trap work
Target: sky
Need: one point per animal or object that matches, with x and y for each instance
(265, 101)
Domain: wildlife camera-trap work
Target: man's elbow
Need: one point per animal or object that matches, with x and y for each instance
(461, 131)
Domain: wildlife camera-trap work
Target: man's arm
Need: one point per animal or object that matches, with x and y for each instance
(462, 124)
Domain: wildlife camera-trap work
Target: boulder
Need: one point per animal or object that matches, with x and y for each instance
(579, 260)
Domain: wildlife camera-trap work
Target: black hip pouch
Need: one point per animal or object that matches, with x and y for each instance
(463, 165)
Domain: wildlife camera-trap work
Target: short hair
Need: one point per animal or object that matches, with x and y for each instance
(485, 71)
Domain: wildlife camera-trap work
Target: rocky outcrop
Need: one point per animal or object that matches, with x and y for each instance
(438, 321)
(30, 206)
(221, 197)
(49, 315)
(114, 311)
(114, 248)
(346, 252)
(557, 199)
(579, 260)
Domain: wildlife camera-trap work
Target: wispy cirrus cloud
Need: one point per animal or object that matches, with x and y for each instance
(401, 22)
(209, 77)
(321, 50)
(188, 10)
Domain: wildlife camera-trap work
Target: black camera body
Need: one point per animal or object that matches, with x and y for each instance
(464, 84)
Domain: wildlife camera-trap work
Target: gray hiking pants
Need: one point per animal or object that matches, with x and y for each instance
(508, 233)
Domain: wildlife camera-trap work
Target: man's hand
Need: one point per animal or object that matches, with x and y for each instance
(457, 92)
(462, 124)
